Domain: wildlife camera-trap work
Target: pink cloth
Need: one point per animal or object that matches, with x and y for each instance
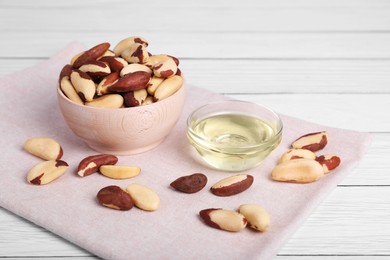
(68, 206)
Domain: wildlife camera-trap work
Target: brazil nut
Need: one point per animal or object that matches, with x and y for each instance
(46, 172)
(165, 69)
(232, 185)
(115, 198)
(91, 55)
(227, 220)
(96, 69)
(130, 82)
(298, 171)
(115, 63)
(83, 84)
(168, 87)
(91, 164)
(313, 141)
(126, 43)
(106, 101)
(136, 53)
(329, 162)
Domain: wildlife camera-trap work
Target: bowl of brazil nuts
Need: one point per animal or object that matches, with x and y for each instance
(234, 135)
(121, 101)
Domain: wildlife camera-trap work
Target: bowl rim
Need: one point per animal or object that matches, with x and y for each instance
(244, 147)
(160, 102)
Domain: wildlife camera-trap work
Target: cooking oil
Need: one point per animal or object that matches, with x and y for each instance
(233, 142)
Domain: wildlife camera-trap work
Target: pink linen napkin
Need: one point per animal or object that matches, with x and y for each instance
(68, 206)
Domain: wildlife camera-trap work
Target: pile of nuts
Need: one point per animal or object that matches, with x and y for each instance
(110, 196)
(300, 164)
(105, 164)
(135, 194)
(226, 187)
(142, 197)
(126, 76)
(228, 220)
(49, 170)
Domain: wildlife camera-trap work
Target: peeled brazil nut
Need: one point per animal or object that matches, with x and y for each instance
(91, 164)
(136, 53)
(130, 82)
(257, 217)
(329, 162)
(135, 98)
(115, 63)
(115, 198)
(65, 72)
(133, 67)
(140, 95)
(298, 171)
(69, 91)
(165, 69)
(119, 172)
(75, 57)
(190, 183)
(107, 101)
(130, 100)
(154, 59)
(176, 60)
(46, 172)
(227, 220)
(91, 55)
(313, 141)
(153, 84)
(232, 185)
(96, 69)
(126, 43)
(107, 53)
(143, 197)
(84, 85)
(148, 100)
(102, 87)
(44, 147)
(292, 154)
(168, 87)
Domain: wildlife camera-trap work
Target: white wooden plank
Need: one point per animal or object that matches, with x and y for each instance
(57, 257)
(8, 66)
(19, 237)
(289, 76)
(262, 3)
(331, 257)
(278, 257)
(199, 44)
(360, 112)
(173, 15)
(272, 76)
(371, 169)
(351, 221)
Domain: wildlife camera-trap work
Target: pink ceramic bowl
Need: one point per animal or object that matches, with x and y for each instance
(123, 131)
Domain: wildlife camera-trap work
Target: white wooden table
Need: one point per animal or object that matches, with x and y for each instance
(326, 61)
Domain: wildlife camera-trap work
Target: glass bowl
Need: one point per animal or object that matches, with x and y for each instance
(234, 135)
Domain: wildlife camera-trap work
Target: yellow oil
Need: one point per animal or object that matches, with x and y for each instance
(233, 142)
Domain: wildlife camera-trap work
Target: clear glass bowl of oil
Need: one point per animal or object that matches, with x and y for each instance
(234, 135)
